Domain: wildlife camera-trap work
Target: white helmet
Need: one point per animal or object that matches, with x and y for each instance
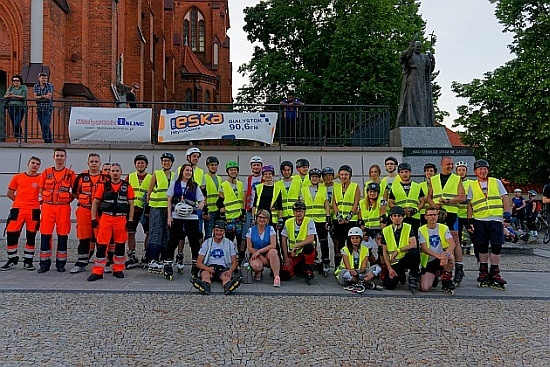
(193, 150)
(461, 164)
(355, 231)
(256, 159)
(183, 209)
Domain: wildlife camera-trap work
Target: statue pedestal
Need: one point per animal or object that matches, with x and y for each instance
(419, 137)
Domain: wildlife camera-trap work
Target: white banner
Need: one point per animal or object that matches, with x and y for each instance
(110, 125)
(177, 126)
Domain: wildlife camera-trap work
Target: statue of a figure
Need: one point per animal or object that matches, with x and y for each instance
(416, 103)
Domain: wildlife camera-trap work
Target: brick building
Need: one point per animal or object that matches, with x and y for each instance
(95, 49)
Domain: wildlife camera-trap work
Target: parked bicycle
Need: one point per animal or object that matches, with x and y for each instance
(542, 224)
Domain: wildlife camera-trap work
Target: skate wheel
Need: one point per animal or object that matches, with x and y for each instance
(170, 277)
(325, 274)
(180, 272)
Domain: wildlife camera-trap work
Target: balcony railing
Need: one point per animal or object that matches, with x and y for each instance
(309, 125)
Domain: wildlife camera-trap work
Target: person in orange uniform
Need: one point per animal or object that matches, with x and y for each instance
(84, 189)
(23, 191)
(55, 188)
(116, 200)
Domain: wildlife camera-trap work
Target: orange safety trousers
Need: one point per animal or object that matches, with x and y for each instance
(58, 216)
(29, 218)
(111, 227)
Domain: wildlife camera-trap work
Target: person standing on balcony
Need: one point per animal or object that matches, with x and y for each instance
(131, 95)
(16, 96)
(43, 93)
(290, 118)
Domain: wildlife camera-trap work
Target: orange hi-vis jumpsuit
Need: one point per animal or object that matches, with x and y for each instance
(84, 189)
(115, 207)
(56, 212)
(25, 211)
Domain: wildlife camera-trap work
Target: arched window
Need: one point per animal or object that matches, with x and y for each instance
(194, 30)
(216, 55)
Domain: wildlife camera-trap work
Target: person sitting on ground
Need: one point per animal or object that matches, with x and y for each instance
(261, 243)
(217, 260)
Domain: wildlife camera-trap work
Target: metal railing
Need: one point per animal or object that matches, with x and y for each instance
(309, 125)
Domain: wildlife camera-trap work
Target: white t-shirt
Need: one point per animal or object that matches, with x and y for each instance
(200, 197)
(372, 246)
(501, 190)
(217, 254)
(435, 240)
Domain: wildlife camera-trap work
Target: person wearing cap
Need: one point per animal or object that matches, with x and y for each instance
(261, 243)
(131, 95)
(302, 166)
(158, 215)
(429, 171)
(298, 243)
(518, 204)
(290, 187)
(139, 180)
(253, 180)
(390, 164)
(461, 169)
(217, 261)
(488, 207)
(345, 203)
(213, 182)
(400, 251)
(231, 205)
(408, 195)
(268, 197)
(43, 94)
(318, 208)
(531, 213)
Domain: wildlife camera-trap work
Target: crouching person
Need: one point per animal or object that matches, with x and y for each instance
(354, 272)
(217, 260)
(437, 256)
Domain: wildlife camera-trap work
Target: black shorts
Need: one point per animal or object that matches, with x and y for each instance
(432, 267)
(138, 213)
(218, 271)
(488, 232)
(452, 221)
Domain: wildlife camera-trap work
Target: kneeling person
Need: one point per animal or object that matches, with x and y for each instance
(217, 260)
(437, 257)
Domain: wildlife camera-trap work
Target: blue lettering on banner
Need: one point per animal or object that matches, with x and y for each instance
(123, 121)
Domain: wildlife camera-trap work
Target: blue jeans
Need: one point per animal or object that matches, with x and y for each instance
(45, 118)
(17, 113)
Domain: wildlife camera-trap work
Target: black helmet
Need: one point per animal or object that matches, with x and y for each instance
(327, 171)
(430, 165)
(302, 162)
(286, 164)
(397, 210)
(480, 163)
(404, 167)
(346, 167)
(170, 156)
(141, 157)
(373, 186)
(212, 159)
(219, 224)
(299, 205)
(391, 158)
(315, 171)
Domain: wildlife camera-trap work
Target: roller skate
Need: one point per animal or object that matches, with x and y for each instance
(144, 263)
(308, 274)
(496, 280)
(194, 268)
(459, 274)
(233, 284)
(483, 278)
(413, 282)
(12, 261)
(155, 267)
(168, 271)
(179, 263)
(370, 285)
(358, 287)
(447, 285)
(203, 287)
(132, 261)
(326, 267)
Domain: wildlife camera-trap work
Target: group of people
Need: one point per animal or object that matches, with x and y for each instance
(390, 226)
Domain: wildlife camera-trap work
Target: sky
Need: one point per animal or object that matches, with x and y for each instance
(470, 42)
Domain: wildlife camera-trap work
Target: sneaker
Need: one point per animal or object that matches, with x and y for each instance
(93, 277)
(77, 269)
(118, 274)
(370, 285)
(61, 268)
(233, 284)
(277, 282)
(43, 270)
(10, 264)
(359, 288)
(107, 269)
(28, 266)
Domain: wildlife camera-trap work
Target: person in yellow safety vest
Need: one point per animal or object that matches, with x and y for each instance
(429, 171)
(268, 197)
(231, 204)
(213, 182)
(390, 163)
(302, 166)
(446, 191)
(193, 155)
(461, 169)
(374, 176)
(345, 203)
(408, 195)
(487, 208)
(437, 246)
(318, 208)
(372, 212)
(158, 217)
(354, 272)
(290, 187)
(139, 180)
(400, 251)
(298, 243)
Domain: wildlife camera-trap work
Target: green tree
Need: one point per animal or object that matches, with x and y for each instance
(507, 119)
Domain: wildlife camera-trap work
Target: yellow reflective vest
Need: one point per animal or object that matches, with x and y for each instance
(139, 188)
(290, 225)
(363, 253)
(370, 216)
(345, 201)
(276, 193)
(407, 201)
(391, 243)
(463, 207)
(315, 207)
(233, 202)
(158, 197)
(291, 196)
(441, 229)
(489, 205)
(448, 192)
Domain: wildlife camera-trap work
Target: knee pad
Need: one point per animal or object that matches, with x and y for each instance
(496, 249)
(482, 248)
(308, 249)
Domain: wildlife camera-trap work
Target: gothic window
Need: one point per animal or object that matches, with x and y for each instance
(216, 54)
(194, 30)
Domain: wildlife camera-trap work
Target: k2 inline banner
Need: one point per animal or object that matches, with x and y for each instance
(110, 125)
(177, 126)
